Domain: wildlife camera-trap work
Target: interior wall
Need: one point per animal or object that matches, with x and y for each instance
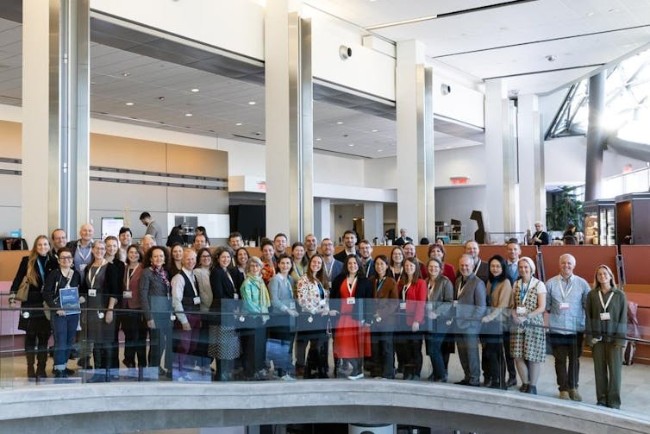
(126, 200)
(344, 216)
(471, 162)
(458, 203)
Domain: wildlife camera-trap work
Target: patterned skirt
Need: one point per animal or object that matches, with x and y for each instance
(529, 343)
(223, 343)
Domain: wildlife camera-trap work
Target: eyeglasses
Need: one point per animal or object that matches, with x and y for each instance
(65, 258)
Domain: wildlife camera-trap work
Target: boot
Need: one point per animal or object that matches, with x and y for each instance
(41, 356)
(31, 373)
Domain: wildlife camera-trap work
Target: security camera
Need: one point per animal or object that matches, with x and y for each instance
(345, 52)
(445, 89)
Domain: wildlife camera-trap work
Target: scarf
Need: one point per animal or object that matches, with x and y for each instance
(160, 272)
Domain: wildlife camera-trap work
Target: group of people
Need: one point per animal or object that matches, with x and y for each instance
(198, 305)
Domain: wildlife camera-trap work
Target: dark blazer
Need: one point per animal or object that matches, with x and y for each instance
(482, 273)
(471, 303)
(340, 256)
(35, 295)
(363, 291)
(50, 291)
(386, 303)
(337, 268)
(223, 295)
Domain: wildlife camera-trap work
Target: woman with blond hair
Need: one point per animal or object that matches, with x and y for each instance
(606, 326)
(34, 269)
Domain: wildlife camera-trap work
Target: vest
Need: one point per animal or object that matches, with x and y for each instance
(188, 294)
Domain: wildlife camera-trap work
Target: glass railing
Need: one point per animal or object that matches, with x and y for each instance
(343, 339)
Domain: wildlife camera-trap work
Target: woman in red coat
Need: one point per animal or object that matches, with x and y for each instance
(412, 296)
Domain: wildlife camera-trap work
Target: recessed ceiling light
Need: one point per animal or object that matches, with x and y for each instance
(351, 144)
(551, 57)
(239, 124)
(195, 90)
(189, 115)
(318, 139)
(375, 130)
(161, 98)
(251, 103)
(380, 150)
(591, 14)
(126, 74)
(339, 122)
(130, 103)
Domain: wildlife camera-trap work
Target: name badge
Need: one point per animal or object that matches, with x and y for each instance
(292, 305)
(310, 319)
(100, 315)
(172, 317)
(378, 319)
(402, 305)
(127, 294)
(521, 310)
(92, 293)
(351, 300)
(564, 306)
(455, 303)
(605, 316)
(242, 319)
(197, 300)
(236, 296)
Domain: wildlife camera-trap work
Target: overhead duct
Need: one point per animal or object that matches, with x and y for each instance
(636, 150)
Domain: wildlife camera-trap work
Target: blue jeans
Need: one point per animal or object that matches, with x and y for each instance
(65, 330)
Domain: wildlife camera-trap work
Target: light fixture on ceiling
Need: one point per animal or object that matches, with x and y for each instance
(445, 89)
(161, 98)
(551, 57)
(339, 122)
(251, 103)
(318, 139)
(380, 150)
(195, 90)
(130, 103)
(351, 145)
(239, 124)
(375, 130)
(188, 115)
(126, 74)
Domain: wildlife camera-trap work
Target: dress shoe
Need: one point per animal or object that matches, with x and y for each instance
(575, 395)
(532, 390)
(512, 381)
(462, 382)
(524, 388)
(487, 383)
(564, 395)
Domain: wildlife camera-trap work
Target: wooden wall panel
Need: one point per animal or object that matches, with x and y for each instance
(637, 264)
(112, 151)
(587, 259)
(199, 162)
(11, 133)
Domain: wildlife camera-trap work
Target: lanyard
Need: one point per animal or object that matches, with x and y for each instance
(461, 288)
(380, 283)
(404, 291)
(297, 268)
(321, 291)
(602, 303)
(328, 272)
(566, 290)
(352, 287)
(477, 267)
(93, 277)
(129, 274)
(367, 266)
(84, 259)
(192, 281)
(523, 292)
(41, 270)
(67, 284)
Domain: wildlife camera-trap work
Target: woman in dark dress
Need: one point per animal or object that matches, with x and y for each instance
(34, 268)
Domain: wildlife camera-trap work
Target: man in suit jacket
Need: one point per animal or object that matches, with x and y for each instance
(403, 238)
(479, 268)
(367, 263)
(331, 267)
(349, 244)
(470, 302)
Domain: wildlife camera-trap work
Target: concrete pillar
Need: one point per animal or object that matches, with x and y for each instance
(322, 218)
(500, 162)
(373, 220)
(415, 188)
(289, 121)
(532, 192)
(595, 136)
(55, 116)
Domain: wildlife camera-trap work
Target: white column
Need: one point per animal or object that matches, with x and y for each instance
(532, 193)
(322, 218)
(373, 220)
(55, 146)
(40, 139)
(415, 187)
(289, 121)
(500, 162)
